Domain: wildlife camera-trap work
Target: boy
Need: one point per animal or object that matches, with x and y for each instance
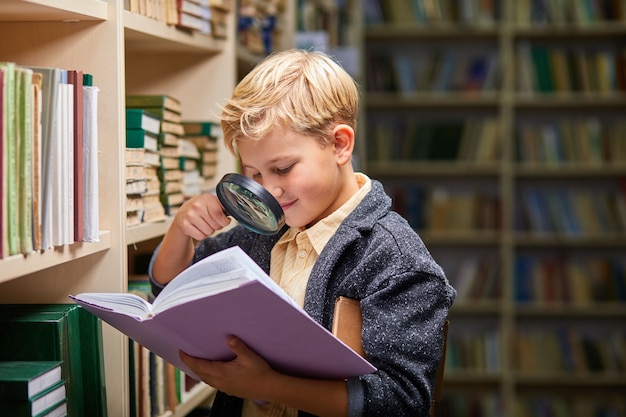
(292, 122)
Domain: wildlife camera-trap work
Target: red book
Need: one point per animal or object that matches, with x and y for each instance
(2, 191)
(75, 77)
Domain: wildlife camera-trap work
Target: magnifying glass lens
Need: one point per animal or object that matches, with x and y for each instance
(250, 204)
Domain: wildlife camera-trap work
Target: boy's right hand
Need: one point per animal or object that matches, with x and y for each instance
(201, 216)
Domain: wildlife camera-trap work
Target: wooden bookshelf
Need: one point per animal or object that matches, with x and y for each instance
(418, 67)
(126, 53)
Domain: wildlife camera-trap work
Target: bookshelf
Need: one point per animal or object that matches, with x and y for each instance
(498, 129)
(126, 53)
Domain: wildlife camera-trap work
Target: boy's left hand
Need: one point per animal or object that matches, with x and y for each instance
(243, 376)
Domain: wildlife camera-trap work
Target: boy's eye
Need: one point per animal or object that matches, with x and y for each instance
(284, 170)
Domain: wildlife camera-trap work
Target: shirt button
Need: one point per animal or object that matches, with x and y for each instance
(302, 253)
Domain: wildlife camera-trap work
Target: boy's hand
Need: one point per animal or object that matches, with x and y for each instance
(201, 216)
(243, 377)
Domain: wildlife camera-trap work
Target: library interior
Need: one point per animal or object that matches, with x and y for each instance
(498, 127)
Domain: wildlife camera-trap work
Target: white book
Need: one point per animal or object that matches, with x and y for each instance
(91, 213)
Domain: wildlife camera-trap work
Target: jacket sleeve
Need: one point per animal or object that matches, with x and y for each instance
(405, 299)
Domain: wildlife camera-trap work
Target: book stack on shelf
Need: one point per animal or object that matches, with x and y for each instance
(69, 341)
(143, 202)
(219, 15)
(546, 208)
(204, 16)
(204, 135)
(167, 110)
(189, 164)
(194, 15)
(50, 168)
(32, 388)
(207, 17)
(260, 25)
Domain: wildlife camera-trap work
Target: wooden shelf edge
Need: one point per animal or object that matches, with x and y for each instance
(394, 31)
(146, 231)
(581, 379)
(421, 168)
(53, 10)
(18, 265)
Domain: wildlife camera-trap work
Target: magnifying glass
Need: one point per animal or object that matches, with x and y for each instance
(250, 204)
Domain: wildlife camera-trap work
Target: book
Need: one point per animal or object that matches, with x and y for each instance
(226, 294)
(38, 405)
(65, 200)
(21, 380)
(201, 128)
(348, 323)
(141, 138)
(140, 101)
(59, 410)
(141, 119)
(36, 162)
(193, 23)
(4, 243)
(24, 135)
(10, 154)
(75, 77)
(50, 146)
(91, 216)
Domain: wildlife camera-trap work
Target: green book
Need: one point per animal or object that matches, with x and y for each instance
(140, 138)
(59, 409)
(10, 151)
(39, 405)
(59, 332)
(24, 151)
(141, 119)
(144, 101)
(21, 380)
(201, 128)
(87, 80)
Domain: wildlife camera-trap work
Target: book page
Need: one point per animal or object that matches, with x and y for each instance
(200, 287)
(126, 303)
(228, 260)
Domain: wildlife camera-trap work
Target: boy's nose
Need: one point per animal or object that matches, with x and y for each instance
(274, 188)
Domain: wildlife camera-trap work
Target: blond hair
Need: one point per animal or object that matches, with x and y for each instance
(305, 91)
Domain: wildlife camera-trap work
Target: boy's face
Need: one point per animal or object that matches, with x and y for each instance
(308, 180)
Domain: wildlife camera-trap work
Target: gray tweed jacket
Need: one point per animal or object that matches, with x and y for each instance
(377, 258)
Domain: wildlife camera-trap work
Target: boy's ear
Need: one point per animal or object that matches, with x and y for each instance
(343, 143)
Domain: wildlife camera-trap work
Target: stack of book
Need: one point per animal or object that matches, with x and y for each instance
(61, 341)
(32, 388)
(194, 15)
(167, 111)
(189, 165)
(204, 134)
(202, 16)
(259, 26)
(205, 16)
(219, 15)
(142, 159)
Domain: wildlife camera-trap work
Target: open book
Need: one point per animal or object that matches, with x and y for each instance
(228, 294)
